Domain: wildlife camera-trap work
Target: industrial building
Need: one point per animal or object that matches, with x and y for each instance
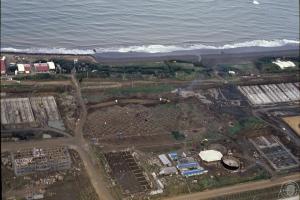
(189, 167)
(210, 156)
(271, 93)
(16, 111)
(30, 111)
(34, 160)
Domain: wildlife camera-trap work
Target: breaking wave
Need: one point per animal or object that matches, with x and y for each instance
(155, 48)
(49, 51)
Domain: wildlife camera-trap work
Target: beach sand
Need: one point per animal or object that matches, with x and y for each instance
(206, 56)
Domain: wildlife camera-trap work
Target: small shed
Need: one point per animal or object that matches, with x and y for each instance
(51, 65)
(168, 171)
(193, 172)
(27, 68)
(210, 156)
(163, 158)
(173, 156)
(21, 68)
(231, 72)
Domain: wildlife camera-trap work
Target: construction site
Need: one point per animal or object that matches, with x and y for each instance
(40, 159)
(127, 173)
(53, 173)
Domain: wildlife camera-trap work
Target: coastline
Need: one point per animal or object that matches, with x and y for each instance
(206, 56)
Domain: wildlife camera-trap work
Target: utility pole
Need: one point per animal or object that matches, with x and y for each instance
(75, 61)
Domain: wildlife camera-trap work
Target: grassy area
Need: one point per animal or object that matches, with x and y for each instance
(163, 69)
(203, 182)
(139, 89)
(43, 77)
(240, 69)
(177, 135)
(265, 65)
(19, 88)
(245, 124)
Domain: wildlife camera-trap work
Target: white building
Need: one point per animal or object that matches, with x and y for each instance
(210, 156)
(231, 72)
(284, 64)
(51, 65)
(21, 68)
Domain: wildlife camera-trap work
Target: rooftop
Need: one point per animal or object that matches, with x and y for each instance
(210, 155)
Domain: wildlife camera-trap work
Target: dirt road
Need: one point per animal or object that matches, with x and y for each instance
(77, 143)
(237, 188)
(83, 148)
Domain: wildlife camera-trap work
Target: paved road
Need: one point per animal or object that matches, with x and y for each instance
(237, 188)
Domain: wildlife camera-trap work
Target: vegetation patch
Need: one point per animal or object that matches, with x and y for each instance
(245, 124)
(177, 135)
(139, 89)
(44, 76)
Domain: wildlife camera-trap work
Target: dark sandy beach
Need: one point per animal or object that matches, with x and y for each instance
(206, 56)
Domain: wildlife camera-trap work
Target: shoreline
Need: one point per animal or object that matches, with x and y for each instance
(206, 56)
(203, 55)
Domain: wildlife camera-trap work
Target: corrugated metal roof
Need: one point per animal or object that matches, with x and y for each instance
(193, 172)
(168, 170)
(41, 67)
(27, 67)
(163, 158)
(188, 165)
(173, 156)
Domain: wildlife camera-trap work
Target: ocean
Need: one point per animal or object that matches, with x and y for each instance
(148, 26)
